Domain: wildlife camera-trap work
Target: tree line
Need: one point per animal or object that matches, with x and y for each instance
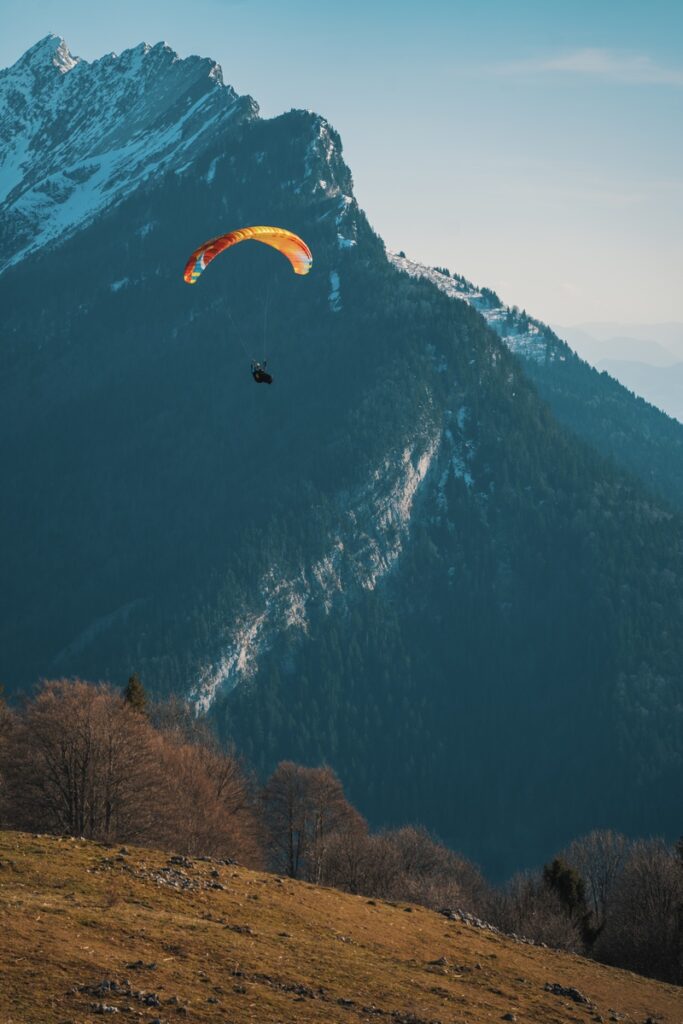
(87, 760)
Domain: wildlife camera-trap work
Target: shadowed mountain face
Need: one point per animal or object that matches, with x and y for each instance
(395, 559)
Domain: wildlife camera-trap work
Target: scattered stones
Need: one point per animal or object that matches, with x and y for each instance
(184, 862)
(464, 917)
(567, 992)
(149, 998)
(103, 1008)
(105, 988)
(408, 1018)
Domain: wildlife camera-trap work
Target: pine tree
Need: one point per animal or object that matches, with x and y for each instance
(570, 889)
(135, 695)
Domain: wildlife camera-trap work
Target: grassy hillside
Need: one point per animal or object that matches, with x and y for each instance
(87, 927)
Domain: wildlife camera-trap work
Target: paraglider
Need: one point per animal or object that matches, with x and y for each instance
(286, 242)
(260, 374)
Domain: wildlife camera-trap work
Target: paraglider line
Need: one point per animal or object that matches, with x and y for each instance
(237, 334)
(265, 322)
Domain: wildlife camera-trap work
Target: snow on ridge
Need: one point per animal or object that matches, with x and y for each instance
(63, 59)
(522, 334)
(77, 137)
(373, 526)
(346, 209)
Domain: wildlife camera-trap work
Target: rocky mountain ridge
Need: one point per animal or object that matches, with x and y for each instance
(78, 137)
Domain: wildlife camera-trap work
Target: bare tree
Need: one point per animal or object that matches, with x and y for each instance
(599, 858)
(433, 875)
(209, 806)
(286, 810)
(349, 861)
(644, 927)
(527, 907)
(405, 864)
(304, 809)
(6, 721)
(330, 813)
(81, 761)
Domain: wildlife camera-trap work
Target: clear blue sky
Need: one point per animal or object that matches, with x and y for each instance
(534, 146)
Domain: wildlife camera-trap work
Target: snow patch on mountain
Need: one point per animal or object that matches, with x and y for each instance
(372, 529)
(77, 137)
(335, 294)
(457, 455)
(62, 59)
(522, 334)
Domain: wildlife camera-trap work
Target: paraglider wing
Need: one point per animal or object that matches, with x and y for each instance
(286, 242)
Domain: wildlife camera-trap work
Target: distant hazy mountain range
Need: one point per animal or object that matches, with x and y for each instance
(646, 358)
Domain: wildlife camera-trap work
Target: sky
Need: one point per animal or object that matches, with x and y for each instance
(535, 147)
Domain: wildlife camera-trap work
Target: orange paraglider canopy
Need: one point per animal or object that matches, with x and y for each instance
(286, 242)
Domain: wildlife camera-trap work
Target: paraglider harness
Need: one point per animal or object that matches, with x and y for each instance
(258, 372)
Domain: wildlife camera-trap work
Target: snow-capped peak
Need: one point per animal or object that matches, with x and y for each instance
(62, 59)
(78, 136)
(50, 50)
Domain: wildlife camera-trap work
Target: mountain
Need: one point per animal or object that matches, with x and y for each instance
(296, 951)
(649, 368)
(638, 436)
(440, 552)
(657, 344)
(61, 165)
(661, 385)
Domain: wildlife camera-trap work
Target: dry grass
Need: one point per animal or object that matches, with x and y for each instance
(264, 949)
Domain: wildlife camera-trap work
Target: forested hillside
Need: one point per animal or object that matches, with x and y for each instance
(396, 559)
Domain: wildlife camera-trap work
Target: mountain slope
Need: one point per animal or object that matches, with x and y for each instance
(661, 385)
(640, 438)
(396, 559)
(88, 927)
